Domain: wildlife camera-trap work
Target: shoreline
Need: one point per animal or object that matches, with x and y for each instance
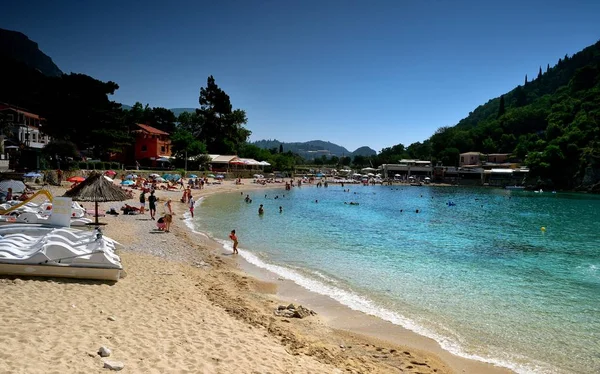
(187, 306)
(342, 317)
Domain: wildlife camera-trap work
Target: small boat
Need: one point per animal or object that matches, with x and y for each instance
(515, 188)
(36, 250)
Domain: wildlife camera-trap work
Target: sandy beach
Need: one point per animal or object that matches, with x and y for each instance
(185, 306)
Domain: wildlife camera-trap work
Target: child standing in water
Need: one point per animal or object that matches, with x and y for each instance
(233, 237)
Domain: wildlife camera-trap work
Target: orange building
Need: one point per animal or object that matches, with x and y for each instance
(151, 145)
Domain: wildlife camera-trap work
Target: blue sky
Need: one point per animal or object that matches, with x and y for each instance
(356, 73)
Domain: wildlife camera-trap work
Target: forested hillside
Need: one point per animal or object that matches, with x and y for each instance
(551, 123)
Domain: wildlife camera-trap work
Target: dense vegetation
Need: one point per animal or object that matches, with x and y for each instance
(551, 124)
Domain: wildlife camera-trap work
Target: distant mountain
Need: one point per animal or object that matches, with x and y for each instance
(364, 151)
(19, 47)
(178, 111)
(314, 148)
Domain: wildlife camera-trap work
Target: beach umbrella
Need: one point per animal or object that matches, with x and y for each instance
(154, 175)
(127, 183)
(76, 179)
(176, 177)
(396, 175)
(110, 172)
(130, 176)
(17, 186)
(97, 189)
(108, 178)
(427, 178)
(193, 176)
(220, 176)
(167, 176)
(211, 175)
(160, 179)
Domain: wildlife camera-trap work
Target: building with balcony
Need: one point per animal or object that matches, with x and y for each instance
(151, 145)
(23, 128)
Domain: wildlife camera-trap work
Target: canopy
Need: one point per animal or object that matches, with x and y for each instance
(76, 179)
(17, 186)
(96, 188)
(110, 172)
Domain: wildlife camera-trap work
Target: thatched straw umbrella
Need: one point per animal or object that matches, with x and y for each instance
(96, 188)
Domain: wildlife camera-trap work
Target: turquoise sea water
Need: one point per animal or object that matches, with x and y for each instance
(480, 277)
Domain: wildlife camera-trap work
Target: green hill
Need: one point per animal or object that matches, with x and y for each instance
(551, 123)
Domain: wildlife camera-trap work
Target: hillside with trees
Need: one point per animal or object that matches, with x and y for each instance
(550, 123)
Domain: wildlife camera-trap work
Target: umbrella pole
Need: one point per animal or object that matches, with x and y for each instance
(96, 206)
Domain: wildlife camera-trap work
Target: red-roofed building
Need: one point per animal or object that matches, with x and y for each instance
(151, 145)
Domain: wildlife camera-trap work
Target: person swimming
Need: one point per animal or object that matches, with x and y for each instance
(261, 211)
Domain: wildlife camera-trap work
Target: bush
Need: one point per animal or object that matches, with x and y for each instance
(83, 165)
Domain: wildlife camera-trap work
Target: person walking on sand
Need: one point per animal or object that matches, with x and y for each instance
(152, 204)
(142, 202)
(234, 238)
(191, 203)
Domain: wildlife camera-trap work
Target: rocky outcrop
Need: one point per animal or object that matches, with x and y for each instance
(19, 47)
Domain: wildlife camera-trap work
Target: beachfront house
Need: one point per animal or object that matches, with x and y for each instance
(152, 146)
(405, 168)
(22, 128)
(470, 158)
(233, 163)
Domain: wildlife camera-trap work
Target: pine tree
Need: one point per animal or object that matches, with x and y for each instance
(526, 79)
(540, 73)
(280, 148)
(501, 109)
(548, 68)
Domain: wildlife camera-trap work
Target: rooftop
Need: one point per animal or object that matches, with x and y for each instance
(151, 130)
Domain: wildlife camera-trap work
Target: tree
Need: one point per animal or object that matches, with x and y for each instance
(526, 79)
(191, 123)
(501, 109)
(539, 73)
(185, 145)
(222, 127)
(547, 68)
(280, 148)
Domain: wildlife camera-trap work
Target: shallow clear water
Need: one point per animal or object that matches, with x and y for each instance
(480, 277)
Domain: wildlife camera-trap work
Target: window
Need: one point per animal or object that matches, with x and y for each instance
(162, 149)
(462, 158)
(144, 148)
